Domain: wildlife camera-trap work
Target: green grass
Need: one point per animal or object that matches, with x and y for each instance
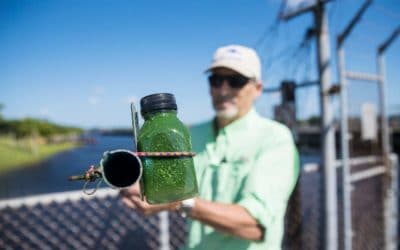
(16, 156)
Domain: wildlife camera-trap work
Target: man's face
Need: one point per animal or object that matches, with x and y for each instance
(230, 102)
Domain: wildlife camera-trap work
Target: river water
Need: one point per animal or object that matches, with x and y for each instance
(52, 175)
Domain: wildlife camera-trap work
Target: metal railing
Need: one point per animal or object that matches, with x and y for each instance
(72, 220)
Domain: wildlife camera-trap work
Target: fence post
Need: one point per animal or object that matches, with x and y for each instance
(164, 230)
(391, 206)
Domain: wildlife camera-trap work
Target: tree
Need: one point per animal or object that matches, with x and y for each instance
(1, 111)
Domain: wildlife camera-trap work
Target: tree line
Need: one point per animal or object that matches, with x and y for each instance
(29, 126)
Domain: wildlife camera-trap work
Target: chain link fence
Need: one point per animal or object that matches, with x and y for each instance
(73, 220)
(60, 221)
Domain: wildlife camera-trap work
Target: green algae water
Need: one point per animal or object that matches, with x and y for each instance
(165, 179)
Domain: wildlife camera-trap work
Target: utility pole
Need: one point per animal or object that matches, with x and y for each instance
(328, 181)
(390, 205)
(346, 174)
(381, 71)
(327, 128)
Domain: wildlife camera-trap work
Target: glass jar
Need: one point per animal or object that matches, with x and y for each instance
(165, 179)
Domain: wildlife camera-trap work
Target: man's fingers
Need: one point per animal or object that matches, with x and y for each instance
(141, 206)
(128, 202)
(138, 202)
(134, 201)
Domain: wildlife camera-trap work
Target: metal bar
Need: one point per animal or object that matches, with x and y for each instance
(382, 95)
(365, 174)
(353, 22)
(164, 230)
(328, 180)
(56, 197)
(386, 44)
(135, 125)
(391, 214)
(344, 126)
(347, 228)
(295, 14)
(271, 90)
(314, 166)
(330, 240)
(382, 104)
(301, 11)
(310, 167)
(390, 202)
(360, 160)
(360, 76)
(307, 84)
(300, 85)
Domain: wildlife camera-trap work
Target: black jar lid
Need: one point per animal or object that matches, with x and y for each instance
(155, 102)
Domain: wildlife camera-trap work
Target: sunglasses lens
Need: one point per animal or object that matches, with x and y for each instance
(215, 81)
(235, 81)
(238, 81)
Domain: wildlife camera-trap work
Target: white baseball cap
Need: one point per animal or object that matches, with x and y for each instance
(239, 58)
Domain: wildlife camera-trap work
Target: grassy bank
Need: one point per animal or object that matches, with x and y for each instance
(16, 155)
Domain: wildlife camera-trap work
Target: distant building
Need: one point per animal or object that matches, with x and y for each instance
(394, 122)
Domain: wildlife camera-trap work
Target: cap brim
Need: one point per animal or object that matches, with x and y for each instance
(231, 66)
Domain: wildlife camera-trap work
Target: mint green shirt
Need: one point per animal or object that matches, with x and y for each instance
(252, 162)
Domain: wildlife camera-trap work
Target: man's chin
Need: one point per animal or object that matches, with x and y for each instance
(229, 113)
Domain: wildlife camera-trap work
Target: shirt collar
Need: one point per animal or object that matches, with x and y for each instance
(239, 124)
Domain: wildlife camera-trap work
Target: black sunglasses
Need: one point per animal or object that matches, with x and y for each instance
(234, 81)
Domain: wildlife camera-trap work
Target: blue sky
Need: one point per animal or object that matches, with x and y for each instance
(81, 62)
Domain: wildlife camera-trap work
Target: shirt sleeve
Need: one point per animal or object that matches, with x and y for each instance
(271, 180)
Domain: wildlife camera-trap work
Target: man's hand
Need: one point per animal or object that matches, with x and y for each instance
(131, 198)
(229, 218)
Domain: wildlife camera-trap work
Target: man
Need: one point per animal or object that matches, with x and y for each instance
(246, 165)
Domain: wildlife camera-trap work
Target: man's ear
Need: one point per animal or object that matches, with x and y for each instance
(259, 89)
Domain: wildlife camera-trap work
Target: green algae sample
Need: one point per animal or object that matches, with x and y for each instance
(165, 179)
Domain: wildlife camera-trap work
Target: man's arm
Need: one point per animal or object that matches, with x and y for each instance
(229, 218)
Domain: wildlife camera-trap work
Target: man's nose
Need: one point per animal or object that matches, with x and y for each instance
(225, 87)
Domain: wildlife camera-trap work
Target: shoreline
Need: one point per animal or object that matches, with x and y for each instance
(13, 158)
